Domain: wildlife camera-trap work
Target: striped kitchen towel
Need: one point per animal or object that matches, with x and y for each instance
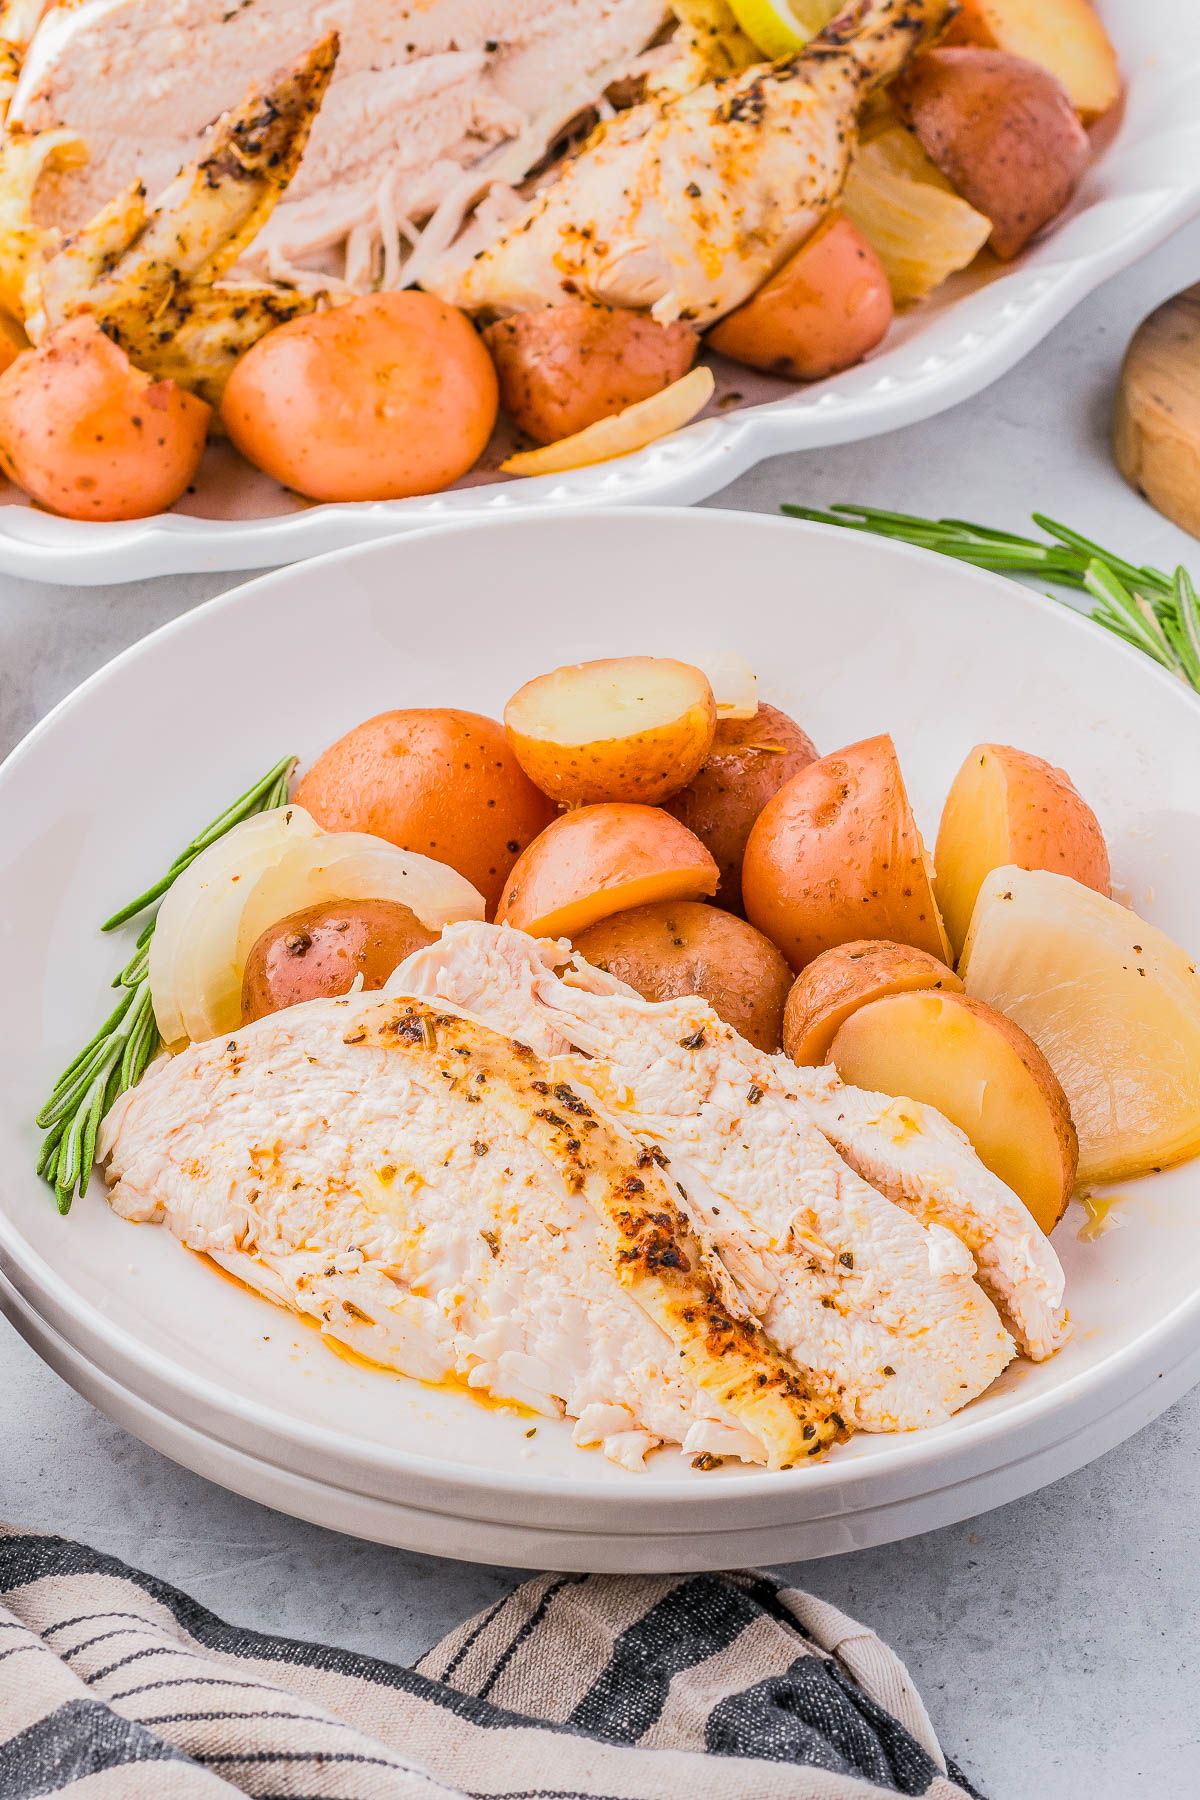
(114, 1686)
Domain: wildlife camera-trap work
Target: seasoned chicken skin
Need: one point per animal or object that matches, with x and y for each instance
(444, 1204)
(685, 204)
(425, 93)
(907, 1151)
(880, 1309)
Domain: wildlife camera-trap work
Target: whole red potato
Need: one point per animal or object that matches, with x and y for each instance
(390, 395)
(89, 436)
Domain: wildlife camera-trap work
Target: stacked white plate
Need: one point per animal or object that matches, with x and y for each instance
(853, 637)
(1142, 185)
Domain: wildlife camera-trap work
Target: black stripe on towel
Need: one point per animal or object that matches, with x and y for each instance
(25, 1559)
(81, 1738)
(690, 1624)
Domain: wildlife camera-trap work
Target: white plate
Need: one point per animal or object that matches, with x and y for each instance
(853, 636)
(1144, 184)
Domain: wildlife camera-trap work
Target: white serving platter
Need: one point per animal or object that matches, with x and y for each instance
(851, 635)
(1144, 183)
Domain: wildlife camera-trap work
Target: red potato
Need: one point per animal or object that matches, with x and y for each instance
(1007, 806)
(748, 763)
(433, 779)
(822, 311)
(678, 947)
(89, 436)
(982, 1073)
(598, 860)
(320, 951)
(1064, 36)
(839, 981)
(622, 728)
(1002, 130)
(389, 396)
(836, 856)
(561, 368)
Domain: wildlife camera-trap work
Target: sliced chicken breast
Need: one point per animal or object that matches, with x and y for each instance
(440, 1200)
(879, 1307)
(923, 1162)
(424, 90)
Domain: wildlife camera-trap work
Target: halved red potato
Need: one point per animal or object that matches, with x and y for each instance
(1007, 806)
(599, 860)
(624, 728)
(983, 1073)
(836, 856)
(563, 367)
(1063, 36)
(822, 311)
(839, 981)
(748, 763)
(1002, 130)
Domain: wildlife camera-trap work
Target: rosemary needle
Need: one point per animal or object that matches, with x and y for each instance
(115, 1059)
(1157, 613)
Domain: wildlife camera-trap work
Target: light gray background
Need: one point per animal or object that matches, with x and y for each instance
(1056, 1639)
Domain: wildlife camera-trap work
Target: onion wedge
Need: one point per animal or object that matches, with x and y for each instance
(194, 972)
(264, 869)
(732, 681)
(624, 432)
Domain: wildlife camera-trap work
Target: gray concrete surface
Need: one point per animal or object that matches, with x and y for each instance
(1056, 1640)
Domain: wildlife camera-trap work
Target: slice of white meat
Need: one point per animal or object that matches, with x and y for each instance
(425, 1190)
(915, 1155)
(879, 1308)
(907, 1150)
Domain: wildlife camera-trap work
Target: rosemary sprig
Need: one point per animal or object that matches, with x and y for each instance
(1157, 613)
(115, 1058)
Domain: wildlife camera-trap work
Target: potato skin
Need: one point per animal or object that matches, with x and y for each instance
(821, 312)
(678, 947)
(597, 860)
(1064, 36)
(391, 395)
(434, 779)
(839, 981)
(317, 953)
(837, 853)
(1002, 130)
(749, 762)
(91, 437)
(643, 765)
(561, 368)
(1035, 818)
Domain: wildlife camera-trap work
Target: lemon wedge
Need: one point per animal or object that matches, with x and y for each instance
(623, 432)
(781, 27)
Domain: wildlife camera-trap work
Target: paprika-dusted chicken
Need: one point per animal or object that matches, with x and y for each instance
(684, 205)
(425, 1189)
(696, 1105)
(471, 1201)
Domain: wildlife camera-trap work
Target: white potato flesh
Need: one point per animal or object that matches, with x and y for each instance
(625, 728)
(1112, 1003)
